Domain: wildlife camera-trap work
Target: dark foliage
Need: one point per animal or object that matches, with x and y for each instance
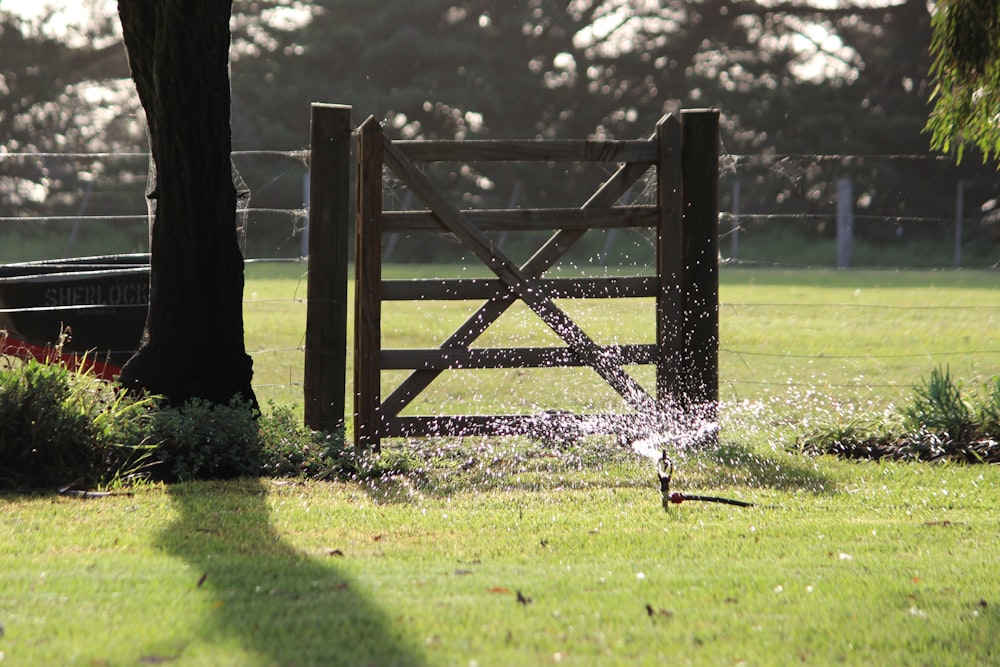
(941, 422)
(60, 428)
(200, 440)
(45, 437)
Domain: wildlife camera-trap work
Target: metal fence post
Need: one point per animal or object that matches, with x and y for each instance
(959, 219)
(845, 223)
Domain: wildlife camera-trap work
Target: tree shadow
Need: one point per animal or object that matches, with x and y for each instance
(272, 599)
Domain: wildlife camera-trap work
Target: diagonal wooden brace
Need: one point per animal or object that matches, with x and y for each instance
(523, 284)
(547, 255)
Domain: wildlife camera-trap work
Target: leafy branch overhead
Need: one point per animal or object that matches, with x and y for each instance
(965, 46)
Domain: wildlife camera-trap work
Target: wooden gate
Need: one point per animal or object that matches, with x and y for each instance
(685, 219)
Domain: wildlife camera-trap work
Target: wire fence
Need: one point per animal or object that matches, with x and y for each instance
(878, 211)
(779, 213)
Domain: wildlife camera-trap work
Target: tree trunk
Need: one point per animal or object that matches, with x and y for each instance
(193, 344)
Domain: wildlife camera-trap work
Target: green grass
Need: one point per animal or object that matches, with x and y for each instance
(798, 341)
(846, 564)
(807, 343)
(839, 563)
(772, 244)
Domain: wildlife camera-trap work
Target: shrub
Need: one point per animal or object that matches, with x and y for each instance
(60, 427)
(989, 410)
(201, 440)
(290, 449)
(44, 435)
(938, 406)
(942, 421)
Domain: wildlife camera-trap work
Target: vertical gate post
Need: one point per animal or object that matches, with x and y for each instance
(700, 185)
(669, 263)
(326, 310)
(368, 289)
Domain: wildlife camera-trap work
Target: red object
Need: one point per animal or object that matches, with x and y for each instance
(21, 349)
(96, 305)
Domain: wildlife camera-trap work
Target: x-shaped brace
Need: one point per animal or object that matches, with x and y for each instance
(521, 282)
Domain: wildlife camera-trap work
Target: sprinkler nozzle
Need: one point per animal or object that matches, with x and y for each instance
(665, 470)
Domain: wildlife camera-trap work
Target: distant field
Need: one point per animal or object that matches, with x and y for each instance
(793, 340)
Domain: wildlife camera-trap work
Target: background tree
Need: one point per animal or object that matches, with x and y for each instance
(64, 89)
(792, 79)
(193, 345)
(966, 77)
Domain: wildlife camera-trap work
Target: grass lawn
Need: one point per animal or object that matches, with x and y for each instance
(532, 552)
(846, 564)
(795, 340)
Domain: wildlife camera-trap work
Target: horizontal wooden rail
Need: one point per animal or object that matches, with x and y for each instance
(547, 255)
(544, 425)
(510, 357)
(521, 282)
(486, 150)
(528, 219)
(463, 289)
(683, 213)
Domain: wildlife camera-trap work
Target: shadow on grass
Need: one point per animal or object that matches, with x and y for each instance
(733, 464)
(271, 599)
(445, 467)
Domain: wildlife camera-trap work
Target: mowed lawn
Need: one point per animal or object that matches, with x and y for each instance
(531, 552)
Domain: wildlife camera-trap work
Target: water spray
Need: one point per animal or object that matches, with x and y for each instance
(665, 471)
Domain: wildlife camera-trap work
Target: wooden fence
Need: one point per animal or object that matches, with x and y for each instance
(684, 153)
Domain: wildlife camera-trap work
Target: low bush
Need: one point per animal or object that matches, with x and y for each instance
(943, 420)
(64, 428)
(201, 440)
(58, 427)
(289, 448)
(989, 410)
(939, 406)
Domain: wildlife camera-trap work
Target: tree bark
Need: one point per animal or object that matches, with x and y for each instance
(193, 345)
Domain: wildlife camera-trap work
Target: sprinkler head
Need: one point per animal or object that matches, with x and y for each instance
(665, 470)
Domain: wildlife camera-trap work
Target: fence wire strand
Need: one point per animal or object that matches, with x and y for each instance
(790, 167)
